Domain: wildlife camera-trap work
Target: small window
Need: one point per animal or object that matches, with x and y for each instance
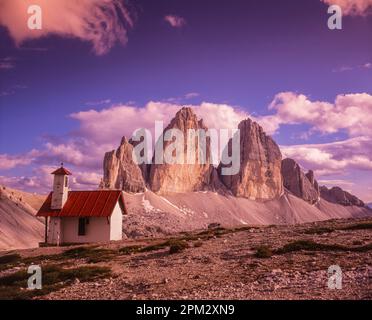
(66, 181)
(82, 226)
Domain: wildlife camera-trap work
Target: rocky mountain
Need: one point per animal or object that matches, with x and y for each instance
(262, 174)
(259, 177)
(19, 226)
(339, 196)
(120, 171)
(298, 183)
(169, 178)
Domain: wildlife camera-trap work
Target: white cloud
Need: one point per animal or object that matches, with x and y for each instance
(175, 21)
(101, 131)
(109, 125)
(101, 22)
(11, 161)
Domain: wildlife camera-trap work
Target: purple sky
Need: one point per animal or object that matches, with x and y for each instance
(70, 91)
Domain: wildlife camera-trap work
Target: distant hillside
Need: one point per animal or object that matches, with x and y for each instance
(19, 226)
(150, 214)
(33, 199)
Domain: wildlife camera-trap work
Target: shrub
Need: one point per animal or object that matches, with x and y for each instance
(140, 249)
(10, 258)
(309, 245)
(91, 254)
(177, 246)
(359, 226)
(130, 250)
(198, 244)
(319, 230)
(263, 252)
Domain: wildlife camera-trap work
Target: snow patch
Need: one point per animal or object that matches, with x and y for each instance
(147, 206)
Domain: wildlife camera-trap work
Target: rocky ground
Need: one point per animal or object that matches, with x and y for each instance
(274, 262)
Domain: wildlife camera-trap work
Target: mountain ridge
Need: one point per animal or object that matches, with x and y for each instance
(263, 174)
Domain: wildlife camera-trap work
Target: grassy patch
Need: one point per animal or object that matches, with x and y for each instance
(319, 230)
(10, 258)
(90, 254)
(308, 245)
(141, 249)
(263, 252)
(358, 226)
(14, 286)
(322, 230)
(175, 244)
(367, 247)
(155, 247)
(130, 250)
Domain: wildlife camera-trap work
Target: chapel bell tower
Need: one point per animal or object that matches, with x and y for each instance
(60, 188)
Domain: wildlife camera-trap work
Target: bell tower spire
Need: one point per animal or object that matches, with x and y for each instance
(60, 188)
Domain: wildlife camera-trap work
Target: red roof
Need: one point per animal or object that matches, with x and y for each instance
(62, 171)
(99, 203)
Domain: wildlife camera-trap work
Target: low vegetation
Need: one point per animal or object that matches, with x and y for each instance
(177, 246)
(10, 258)
(319, 230)
(357, 226)
(90, 254)
(263, 252)
(308, 245)
(14, 286)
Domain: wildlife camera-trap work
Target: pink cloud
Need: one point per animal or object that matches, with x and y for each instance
(352, 7)
(41, 180)
(333, 158)
(107, 126)
(101, 22)
(175, 21)
(11, 161)
(101, 130)
(352, 112)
